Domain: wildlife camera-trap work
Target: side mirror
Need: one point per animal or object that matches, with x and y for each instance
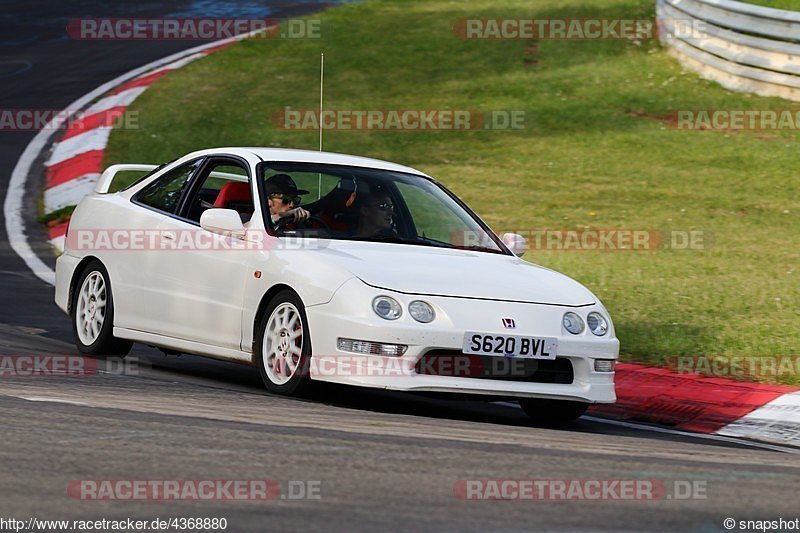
(222, 221)
(516, 243)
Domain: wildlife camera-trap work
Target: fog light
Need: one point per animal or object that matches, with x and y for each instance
(371, 348)
(604, 365)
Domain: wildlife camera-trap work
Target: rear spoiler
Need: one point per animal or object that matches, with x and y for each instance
(104, 183)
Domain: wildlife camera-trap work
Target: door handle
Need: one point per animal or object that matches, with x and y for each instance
(168, 235)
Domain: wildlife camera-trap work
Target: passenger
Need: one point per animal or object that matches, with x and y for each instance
(376, 216)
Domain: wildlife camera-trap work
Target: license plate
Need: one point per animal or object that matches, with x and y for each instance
(510, 345)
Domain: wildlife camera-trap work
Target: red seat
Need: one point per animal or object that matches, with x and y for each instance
(339, 213)
(234, 192)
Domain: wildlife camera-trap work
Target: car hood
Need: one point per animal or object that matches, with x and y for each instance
(446, 272)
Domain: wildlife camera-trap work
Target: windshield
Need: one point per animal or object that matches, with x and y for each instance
(366, 204)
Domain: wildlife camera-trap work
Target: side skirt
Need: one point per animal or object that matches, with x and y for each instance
(184, 346)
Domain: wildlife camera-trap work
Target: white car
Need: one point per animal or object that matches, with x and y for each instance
(391, 283)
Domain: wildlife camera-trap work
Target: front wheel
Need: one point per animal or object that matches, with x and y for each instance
(552, 411)
(92, 314)
(283, 345)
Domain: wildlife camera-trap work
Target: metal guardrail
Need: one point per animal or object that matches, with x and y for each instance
(741, 46)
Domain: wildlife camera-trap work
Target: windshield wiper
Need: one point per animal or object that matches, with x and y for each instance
(425, 241)
(434, 242)
(478, 248)
(393, 239)
(472, 247)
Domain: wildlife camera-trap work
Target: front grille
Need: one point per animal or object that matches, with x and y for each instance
(454, 363)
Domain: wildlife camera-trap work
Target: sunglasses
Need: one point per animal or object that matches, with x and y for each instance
(385, 206)
(287, 199)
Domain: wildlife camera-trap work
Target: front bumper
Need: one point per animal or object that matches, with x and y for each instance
(349, 315)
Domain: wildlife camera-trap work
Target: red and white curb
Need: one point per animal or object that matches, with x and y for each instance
(87, 164)
(76, 160)
(691, 402)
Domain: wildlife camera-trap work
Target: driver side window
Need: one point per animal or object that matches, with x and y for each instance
(223, 184)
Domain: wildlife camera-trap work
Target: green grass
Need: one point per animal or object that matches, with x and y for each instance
(791, 5)
(596, 154)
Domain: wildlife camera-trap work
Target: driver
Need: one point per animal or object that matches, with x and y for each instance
(283, 198)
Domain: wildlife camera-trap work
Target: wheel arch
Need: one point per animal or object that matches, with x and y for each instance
(77, 273)
(262, 305)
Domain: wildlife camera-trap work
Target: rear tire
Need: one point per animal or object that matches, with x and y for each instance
(552, 411)
(92, 314)
(283, 345)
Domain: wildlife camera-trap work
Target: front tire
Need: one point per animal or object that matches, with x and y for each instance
(92, 314)
(283, 345)
(552, 411)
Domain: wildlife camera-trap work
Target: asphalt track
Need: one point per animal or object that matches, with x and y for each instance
(382, 459)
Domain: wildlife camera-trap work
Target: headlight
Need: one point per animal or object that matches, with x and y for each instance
(421, 311)
(597, 324)
(573, 323)
(387, 308)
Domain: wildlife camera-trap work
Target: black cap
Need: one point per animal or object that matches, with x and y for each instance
(282, 184)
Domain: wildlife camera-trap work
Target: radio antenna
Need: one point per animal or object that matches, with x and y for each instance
(321, 85)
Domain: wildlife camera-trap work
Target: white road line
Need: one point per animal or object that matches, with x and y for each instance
(12, 207)
(47, 399)
(705, 436)
(178, 64)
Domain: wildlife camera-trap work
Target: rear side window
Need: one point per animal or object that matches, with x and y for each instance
(165, 192)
